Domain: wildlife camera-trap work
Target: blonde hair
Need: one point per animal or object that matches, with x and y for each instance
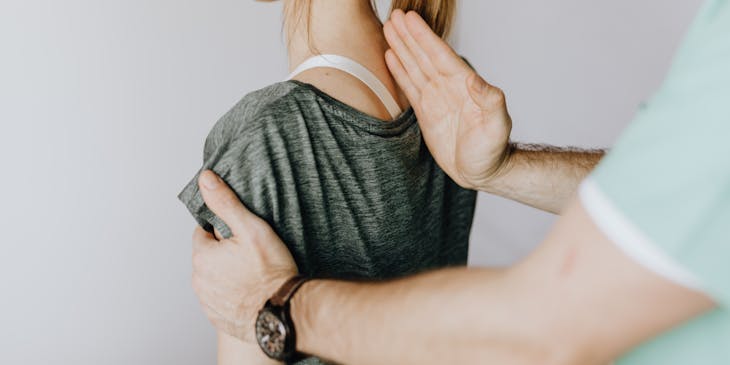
(438, 14)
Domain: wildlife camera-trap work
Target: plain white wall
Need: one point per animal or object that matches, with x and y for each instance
(105, 105)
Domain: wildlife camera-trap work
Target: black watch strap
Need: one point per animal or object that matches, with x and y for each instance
(287, 290)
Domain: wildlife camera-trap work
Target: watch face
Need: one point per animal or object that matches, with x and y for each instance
(271, 334)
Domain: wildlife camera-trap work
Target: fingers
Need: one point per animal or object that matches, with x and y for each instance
(418, 53)
(407, 60)
(429, 46)
(203, 242)
(217, 234)
(202, 237)
(401, 77)
(225, 203)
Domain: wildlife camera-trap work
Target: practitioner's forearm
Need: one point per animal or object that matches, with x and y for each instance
(394, 322)
(556, 307)
(542, 176)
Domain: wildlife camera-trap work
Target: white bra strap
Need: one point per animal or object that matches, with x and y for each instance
(355, 69)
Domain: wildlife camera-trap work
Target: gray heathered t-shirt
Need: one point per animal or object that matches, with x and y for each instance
(352, 196)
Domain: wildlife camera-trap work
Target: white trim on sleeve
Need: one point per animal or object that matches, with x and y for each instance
(629, 239)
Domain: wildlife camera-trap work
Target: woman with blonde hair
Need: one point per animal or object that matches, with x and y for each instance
(334, 160)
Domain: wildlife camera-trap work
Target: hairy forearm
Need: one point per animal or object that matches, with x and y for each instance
(556, 307)
(542, 176)
(395, 322)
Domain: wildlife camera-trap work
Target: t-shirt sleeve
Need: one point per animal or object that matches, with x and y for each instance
(235, 151)
(663, 193)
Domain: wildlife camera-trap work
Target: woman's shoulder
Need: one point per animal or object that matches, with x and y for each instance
(259, 109)
(271, 102)
(259, 116)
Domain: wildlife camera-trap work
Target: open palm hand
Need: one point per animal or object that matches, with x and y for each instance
(463, 119)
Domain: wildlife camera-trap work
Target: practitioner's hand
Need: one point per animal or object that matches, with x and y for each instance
(234, 277)
(464, 120)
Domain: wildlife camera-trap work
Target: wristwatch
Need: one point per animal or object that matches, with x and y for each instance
(274, 326)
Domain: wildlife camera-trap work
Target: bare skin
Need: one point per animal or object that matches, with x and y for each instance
(559, 306)
(466, 124)
(347, 28)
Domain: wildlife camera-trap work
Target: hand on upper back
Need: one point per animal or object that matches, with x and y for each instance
(234, 277)
(464, 120)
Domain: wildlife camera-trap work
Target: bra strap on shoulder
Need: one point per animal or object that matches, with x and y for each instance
(355, 69)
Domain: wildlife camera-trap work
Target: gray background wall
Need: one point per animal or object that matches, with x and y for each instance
(104, 106)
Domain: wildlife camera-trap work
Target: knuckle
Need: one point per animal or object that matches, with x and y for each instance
(218, 199)
(227, 199)
(496, 95)
(200, 237)
(260, 233)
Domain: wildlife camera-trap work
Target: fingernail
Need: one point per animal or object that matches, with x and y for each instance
(210, 180)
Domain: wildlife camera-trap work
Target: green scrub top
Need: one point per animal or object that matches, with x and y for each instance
(662, 194)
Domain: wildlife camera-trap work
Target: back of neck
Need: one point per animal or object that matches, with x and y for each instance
(348, 28)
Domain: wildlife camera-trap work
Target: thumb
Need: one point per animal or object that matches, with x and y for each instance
(485, 96)
(224, 203)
